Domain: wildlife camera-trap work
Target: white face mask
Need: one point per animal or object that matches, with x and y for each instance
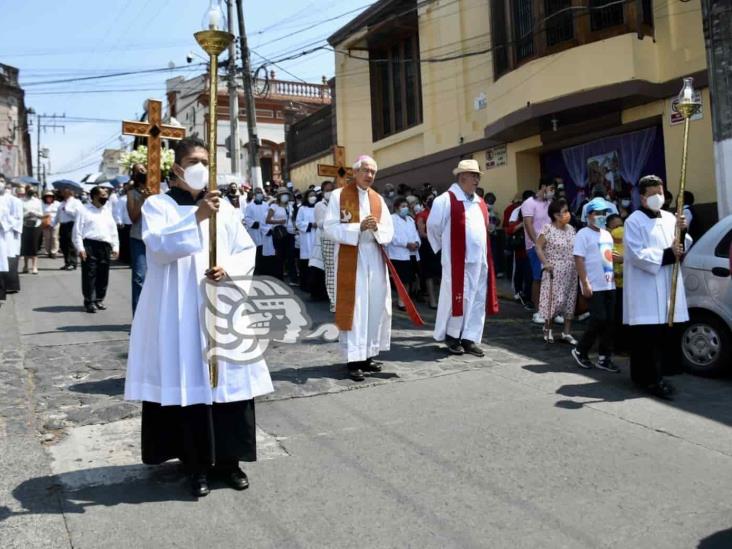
(625, 203)
(312, 199)
(284, 199)
(549, 195)
(2, 188)
(327, 194)
(196, 176)
(654, 202)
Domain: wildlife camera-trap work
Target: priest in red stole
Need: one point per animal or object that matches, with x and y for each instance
(359, 222)
(458, 225)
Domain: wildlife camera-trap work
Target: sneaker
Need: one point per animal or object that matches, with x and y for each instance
(604, 363)
(583, 316)
(583, 361)
(559, 319)
(332, 308)
(529, 306)
(568, 338)
(518, 297)
(536, 318)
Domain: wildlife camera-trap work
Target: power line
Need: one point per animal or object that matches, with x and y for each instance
(114, 75)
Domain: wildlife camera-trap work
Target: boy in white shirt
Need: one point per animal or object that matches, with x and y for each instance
(593, 256)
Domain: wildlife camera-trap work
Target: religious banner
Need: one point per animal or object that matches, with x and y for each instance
(496, 157)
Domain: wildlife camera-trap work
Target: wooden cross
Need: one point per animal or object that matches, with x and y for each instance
(340, 172)
(154, 130)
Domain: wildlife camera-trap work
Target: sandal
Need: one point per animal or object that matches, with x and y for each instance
(567, 338)
(548, 336)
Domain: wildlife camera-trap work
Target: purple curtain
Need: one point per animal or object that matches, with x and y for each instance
(633, 150)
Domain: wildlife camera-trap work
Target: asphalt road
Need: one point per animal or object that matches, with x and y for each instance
(519, 449)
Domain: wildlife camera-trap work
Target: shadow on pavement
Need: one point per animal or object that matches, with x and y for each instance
(718, 540)
(334, 372)
(84, 329)
(109, 387)
(55, 494)
(59, 309)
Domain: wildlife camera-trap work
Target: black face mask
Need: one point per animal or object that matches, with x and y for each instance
(102, 201)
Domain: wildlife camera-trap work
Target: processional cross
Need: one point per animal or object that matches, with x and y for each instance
(154, 130)
(340, 172)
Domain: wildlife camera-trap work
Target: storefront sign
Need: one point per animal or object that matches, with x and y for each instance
(496, 157)
(677, 118)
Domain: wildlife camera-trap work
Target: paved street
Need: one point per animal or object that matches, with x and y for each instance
(519, 449)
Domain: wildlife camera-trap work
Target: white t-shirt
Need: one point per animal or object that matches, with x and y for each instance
(597, 249)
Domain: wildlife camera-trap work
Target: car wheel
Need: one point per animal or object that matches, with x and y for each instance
(706, 346)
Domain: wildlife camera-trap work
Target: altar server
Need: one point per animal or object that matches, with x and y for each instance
(12, 210)
(255, 216)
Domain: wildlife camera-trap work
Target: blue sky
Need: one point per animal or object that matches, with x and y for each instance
(55, 40)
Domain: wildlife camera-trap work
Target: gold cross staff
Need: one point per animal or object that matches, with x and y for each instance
(154, 130)
(340, 172)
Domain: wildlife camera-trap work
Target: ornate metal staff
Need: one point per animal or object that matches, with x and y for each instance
(687, 106)
(213, 41)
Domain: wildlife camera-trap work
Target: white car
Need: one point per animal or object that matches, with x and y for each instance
(706, 343)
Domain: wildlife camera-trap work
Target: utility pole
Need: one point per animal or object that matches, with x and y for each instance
(235, 142)
(255, 170)
(717, 17)
(45, 125)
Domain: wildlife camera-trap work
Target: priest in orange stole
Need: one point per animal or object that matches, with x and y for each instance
(358, 221)
(458, 225)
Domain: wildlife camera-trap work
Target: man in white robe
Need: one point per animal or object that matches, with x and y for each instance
(650, 252)
(6, 226)
(462, 329)
(13, 208)
(255, 216)
(363, 291)
(183, 417)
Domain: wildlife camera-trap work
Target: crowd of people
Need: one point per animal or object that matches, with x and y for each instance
(603, 260)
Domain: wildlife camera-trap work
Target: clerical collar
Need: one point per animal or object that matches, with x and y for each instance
(650, 213)
(183, 198)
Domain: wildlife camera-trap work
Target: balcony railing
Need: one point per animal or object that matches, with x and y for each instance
(296, 91)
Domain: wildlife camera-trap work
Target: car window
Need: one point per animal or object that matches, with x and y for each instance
(722, 249)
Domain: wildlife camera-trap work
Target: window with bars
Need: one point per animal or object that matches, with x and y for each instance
(523, 28)
(605, 17)
(559, 21)
(527, 29)
(396, 87)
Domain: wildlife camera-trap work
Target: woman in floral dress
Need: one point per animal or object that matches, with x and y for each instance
(559, 276)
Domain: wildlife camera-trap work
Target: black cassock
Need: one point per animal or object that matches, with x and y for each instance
(200, 435)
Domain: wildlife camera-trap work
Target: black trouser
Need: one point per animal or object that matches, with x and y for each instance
(66, 244)
(258, 262)
(601, 323)
(654, 351)
(620, 337)
(95, 270)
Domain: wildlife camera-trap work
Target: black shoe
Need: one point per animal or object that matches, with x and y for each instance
(604, 363)
(355, 372)
(372, 365)
(454, 347)
(471, 348)
(72, 267)
(660, 390)
(583, 361)
(100, 305)
(64, 268)
(237, 479)
(90, 308)
(199, 485)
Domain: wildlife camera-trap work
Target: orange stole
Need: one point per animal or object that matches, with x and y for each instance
(348, 255)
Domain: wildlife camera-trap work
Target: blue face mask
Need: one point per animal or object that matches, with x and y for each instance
(404, 212)
(600, 221)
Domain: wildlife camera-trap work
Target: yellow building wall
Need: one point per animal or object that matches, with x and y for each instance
(449, 90)
(304, 175)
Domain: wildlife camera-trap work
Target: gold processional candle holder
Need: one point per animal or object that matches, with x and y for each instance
(688, 105)
(213, 40)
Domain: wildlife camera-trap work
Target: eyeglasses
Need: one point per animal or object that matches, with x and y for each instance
(367, 170)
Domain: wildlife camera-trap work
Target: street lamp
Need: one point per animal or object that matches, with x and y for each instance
(213, 40)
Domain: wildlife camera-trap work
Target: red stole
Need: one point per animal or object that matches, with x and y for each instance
(457, 259)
